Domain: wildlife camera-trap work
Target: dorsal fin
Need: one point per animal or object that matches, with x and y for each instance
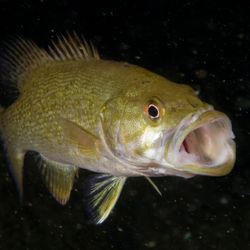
(72, 47)
(20, 56)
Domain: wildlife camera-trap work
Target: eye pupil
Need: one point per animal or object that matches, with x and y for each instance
(153, 111)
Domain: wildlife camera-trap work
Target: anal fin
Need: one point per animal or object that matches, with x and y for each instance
(102, 193)
(59, 179)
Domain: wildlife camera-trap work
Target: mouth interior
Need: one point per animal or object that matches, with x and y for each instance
(206, 145)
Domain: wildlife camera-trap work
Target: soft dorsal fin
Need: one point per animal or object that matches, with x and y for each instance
(20, 56)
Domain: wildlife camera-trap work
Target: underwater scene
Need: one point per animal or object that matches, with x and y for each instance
(124, 125)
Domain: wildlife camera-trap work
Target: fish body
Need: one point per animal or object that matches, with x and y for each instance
(75, 91)
(79, 111)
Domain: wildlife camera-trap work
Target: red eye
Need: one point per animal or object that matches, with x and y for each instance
(153, 111)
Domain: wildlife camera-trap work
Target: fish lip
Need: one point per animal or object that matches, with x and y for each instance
(203, 120)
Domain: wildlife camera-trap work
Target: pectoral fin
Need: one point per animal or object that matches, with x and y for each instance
(59, 179)
(87, 143)
(102, 193)
(16, 160)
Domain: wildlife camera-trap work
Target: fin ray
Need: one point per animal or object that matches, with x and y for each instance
(16, 162)
(73, 47)
(20, 55)
(87, 143)
(102, 193)
(59, 179)
(153, 185)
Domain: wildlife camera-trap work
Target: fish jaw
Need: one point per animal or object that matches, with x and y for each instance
(203, 144)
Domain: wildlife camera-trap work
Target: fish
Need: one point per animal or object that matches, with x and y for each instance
(77, 110)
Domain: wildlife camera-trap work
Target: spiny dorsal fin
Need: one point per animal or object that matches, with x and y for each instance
(72, 47)
(20, 56)
(101, 194)
(59, 179)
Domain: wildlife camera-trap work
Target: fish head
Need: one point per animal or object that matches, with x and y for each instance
(163, 128)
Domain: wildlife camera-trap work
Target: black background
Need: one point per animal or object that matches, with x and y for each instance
(201, 43)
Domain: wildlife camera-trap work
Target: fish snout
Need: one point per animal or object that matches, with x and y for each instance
(203, 144)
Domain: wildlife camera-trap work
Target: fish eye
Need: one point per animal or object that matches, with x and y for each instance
(153, 111)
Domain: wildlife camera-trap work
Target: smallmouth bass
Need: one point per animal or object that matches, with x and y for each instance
(113, 118)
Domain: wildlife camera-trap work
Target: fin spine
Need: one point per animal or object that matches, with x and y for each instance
(20, 55)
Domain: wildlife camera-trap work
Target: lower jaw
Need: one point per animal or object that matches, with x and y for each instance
(219, 170)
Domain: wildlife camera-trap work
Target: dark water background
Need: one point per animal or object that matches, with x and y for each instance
(202, 43)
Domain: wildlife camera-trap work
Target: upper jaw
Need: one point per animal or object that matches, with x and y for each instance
(203, 144)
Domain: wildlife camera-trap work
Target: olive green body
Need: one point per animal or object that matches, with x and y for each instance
(79, 111)
(78, 91)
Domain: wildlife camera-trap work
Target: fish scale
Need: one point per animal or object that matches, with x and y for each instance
(77, 111)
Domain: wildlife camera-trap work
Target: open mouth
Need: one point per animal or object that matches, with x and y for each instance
(206, 145)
